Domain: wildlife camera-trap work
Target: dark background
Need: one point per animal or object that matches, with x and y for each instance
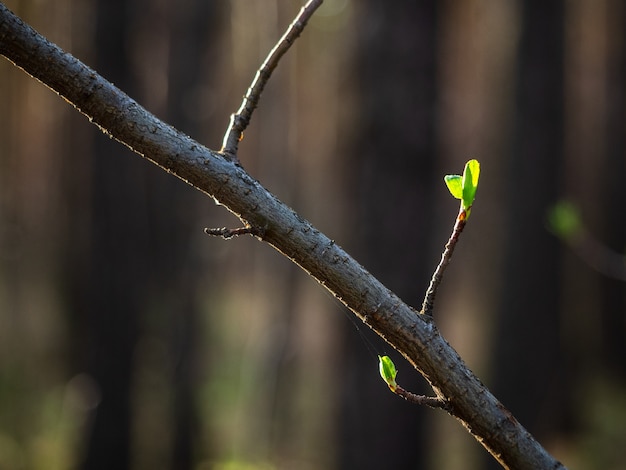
(129, 339)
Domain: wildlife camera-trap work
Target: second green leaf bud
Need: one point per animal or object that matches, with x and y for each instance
(388, 371)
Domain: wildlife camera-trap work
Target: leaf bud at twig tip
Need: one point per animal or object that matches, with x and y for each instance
(388, 371)
(464, 187)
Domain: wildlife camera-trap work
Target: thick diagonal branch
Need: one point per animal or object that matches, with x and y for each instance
(414, 335)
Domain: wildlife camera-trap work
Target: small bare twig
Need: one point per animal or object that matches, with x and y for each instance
(240, 120)
(433, 402)
(227, 233)
(431, 292)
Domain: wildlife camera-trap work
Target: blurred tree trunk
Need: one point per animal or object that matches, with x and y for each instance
(117, 246)
(193, 31)
(143, 276)
(394, 139)
(525, 350)
(594, 302)
(611, 192)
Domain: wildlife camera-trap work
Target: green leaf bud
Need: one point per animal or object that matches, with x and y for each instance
(388, 371)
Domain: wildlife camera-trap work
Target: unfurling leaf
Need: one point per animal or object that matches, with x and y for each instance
(455, 185)
(470, 183)
(388, 371)
(464, 187)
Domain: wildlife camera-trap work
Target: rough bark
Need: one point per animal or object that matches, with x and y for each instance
(414, 335)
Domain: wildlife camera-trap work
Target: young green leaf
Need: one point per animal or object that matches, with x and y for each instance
(470, 183)
(464, 187)
(388, 371)
(455, 185)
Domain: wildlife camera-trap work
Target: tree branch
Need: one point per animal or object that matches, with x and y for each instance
(446, 256)
(433, 402)
(227, 233)
(414, 335)
(240, 120)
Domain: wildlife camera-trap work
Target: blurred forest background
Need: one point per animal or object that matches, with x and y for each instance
(129, 339)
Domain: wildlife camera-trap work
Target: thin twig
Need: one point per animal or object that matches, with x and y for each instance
(227, 233)
(240, 120)
(433, 402)
(429, 299)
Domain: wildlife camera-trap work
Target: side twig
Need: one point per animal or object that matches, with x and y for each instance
(433, 402)
(431, 292)
(388, 372)
(227, 233)
(240, 120)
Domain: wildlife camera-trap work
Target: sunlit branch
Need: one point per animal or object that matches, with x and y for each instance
(240, 120)
(446, 256)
